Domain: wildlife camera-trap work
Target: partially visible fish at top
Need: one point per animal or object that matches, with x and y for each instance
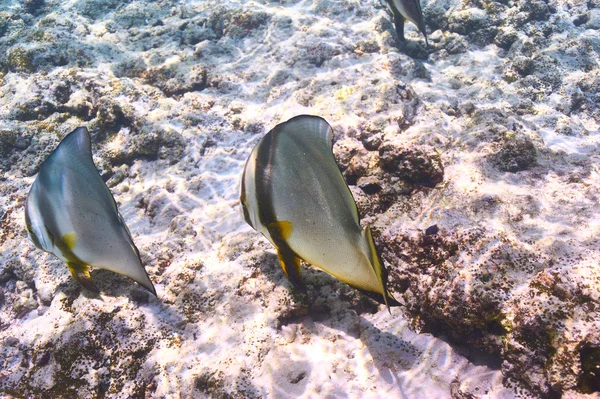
(294, 194)
(71, 213)
(411, 10)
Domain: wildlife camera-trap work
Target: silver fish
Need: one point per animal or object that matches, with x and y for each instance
(411, 10)
(294, 194)
(70, 213)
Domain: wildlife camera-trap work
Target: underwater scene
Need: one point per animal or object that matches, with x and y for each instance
(300, 199)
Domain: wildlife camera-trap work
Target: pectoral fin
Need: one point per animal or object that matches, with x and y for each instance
(280, 231)
(81, 273)
(79, 270)
(66, 244)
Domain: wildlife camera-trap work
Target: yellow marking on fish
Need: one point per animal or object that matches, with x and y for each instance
(281, 229)
(377, 265)
(69, 240)
(373, 258)
(66, 244)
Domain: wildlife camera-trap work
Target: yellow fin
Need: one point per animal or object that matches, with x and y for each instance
(281, 230)
(81, 273)
(290, 264)
(377, 265)
(78, 269)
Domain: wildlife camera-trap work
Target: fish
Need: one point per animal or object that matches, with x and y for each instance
(411, 10)
(71, 213)
(294, 194)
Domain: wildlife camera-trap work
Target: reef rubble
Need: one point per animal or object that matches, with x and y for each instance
(491, 134)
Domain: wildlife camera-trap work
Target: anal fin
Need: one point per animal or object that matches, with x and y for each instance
(81, 273)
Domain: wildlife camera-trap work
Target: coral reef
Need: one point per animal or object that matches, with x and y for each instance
(474, 161)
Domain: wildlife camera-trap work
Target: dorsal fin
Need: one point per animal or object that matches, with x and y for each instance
(307, 125)
(316, 132)
(78, 140)
(75, 148)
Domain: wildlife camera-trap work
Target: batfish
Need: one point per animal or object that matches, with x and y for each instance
(70, 213)
(294, 194)
(407, 9)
